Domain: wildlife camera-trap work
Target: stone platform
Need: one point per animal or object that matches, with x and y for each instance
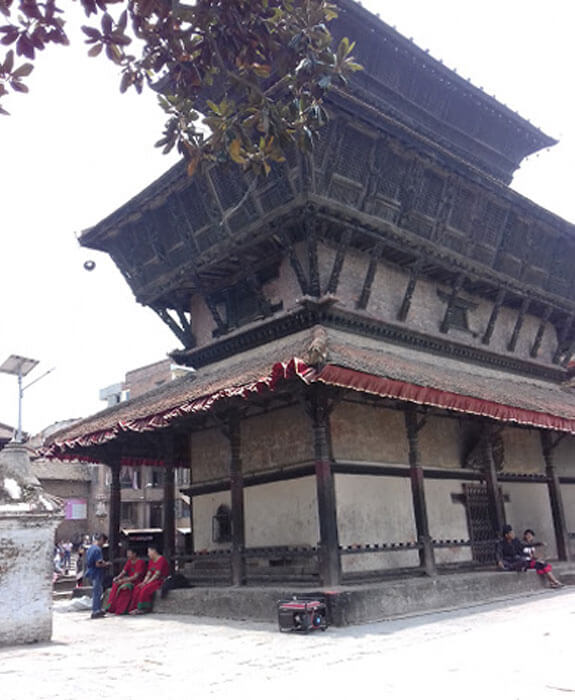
(359, 604)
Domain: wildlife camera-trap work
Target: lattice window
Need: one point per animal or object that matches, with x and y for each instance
(429, 196)
(324, 141)
(462, 210)
(229, 186)
(491, 224)
(195, 209)
(353, 157)
(515, 239)
(542, 249)
(392, 174)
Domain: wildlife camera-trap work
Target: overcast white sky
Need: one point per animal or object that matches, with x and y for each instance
(74, 149)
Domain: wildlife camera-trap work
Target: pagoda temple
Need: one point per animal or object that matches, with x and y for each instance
(381, 335)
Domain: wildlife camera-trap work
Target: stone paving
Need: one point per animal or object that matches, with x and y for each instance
(517, 650)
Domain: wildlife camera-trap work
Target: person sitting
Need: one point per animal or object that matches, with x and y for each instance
(158, 572)
(123, 587)
(543, 568)
(510, 555)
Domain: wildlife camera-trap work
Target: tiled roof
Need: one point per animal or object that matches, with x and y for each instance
(424, 370)
(54, 470)
(358, 363)
(240, 371)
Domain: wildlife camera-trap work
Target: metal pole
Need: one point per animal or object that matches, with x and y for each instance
(20, 394)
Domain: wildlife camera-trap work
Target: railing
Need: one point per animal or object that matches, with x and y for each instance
(301, 563)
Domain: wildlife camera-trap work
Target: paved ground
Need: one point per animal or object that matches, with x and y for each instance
(518, 650)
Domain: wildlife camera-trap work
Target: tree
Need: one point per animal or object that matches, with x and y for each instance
(238, 79)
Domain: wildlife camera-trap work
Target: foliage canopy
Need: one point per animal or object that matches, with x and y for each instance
(254, 72)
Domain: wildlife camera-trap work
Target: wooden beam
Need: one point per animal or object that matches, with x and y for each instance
(408, 188)
(184, 335)
(329, 559)
(186, 327)
(294, 261)
(237, 499)
(563, 338)
(493, 318)
(342, 248)
(179, 213)
(493, 490)
(115, 508)
(264, 306)
(409, 290)
(152, 234)
(180, 217)
(444, 210)
(555, 497)
(540, 331)
(455, 289)
(169, 525)
(363, 300)
(426, 554)
(312, 255)
(518, 324)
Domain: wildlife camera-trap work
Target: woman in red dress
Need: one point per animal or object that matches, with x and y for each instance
(158, 572)
(123, 587)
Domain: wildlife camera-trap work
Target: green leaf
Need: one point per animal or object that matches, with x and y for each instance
(9, 61)
(95, 50)
(23, 70)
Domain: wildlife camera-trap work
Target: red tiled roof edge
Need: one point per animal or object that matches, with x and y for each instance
(279, 371)
(343, 377)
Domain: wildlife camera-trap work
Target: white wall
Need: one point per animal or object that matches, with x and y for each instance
(26, 546)
(447, 520)
(282, 513)
(205, 508)
(529, 507)
(374, 510)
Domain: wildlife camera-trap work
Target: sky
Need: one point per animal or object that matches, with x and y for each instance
(74, 149)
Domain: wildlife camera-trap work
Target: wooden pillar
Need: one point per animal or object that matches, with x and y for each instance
(115, 508)
(169, 515)
(493, 490)
(329, 554)
(518, 325)
(426, 554)
(555, 497)
(493, 318)
(191, 540)
(237, 500)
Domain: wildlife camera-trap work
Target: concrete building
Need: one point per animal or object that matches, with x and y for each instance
(141, 480)
(380, 333)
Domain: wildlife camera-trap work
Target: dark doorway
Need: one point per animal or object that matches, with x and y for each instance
(156, 515)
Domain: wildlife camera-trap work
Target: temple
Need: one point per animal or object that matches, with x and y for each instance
(381, 335)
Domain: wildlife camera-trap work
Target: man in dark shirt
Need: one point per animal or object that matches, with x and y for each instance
(510, 555)
(95, 567)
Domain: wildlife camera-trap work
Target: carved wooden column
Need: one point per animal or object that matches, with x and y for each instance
(169, 499)
(426, 554)
(329, 555)
(115, 508)
(493, 318)
(492, 483)
(237, 500)
(518, 325)
(555, 497)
